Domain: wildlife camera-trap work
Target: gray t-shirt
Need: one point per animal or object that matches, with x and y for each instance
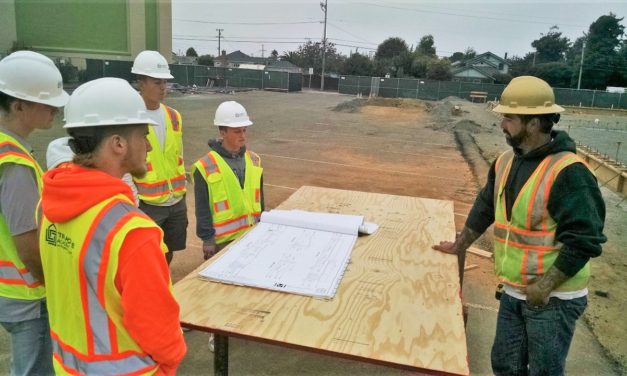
(19, 196)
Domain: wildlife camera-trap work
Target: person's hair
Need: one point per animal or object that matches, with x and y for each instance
(86, 141)
(546, 121)
(5, 102)
(222, 128)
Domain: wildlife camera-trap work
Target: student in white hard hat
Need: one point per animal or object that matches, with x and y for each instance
(227, 182)
(31, 91)
(112, 311)
(162, 191)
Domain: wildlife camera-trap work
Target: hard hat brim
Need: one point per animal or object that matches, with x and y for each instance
(82, 124)
(162, 76)
(235, 125)
(56, 101)
(553, 109)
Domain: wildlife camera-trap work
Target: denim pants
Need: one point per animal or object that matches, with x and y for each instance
(534, 341)
(31, 349)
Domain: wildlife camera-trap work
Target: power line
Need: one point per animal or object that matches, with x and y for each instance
(250, 23)
(349, 33)
(469, 16)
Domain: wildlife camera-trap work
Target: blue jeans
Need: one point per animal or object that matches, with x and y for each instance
(31, 349)
(534, 341)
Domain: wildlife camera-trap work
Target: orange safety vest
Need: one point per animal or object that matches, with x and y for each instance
(80, 261)
(166, 170)
(16, 282)
(525, 246)
(233, 209)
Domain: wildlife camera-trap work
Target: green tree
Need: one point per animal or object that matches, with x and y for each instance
(358, 65)
(439, 70)
(191, 52)
(557, 73)
(205, 60)
(602, 62)
(390, 48)
(426, 46)
(274, 54)
(521, 66)
(456, 56)
(468, 54)
(551, 46)
(420, 66)
(309, 55)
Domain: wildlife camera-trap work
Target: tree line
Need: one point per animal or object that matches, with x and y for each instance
(554, 58)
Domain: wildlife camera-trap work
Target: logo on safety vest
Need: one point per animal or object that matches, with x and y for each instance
(58, 239)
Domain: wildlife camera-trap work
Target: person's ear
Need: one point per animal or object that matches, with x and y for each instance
(118, 144)
(534, 123)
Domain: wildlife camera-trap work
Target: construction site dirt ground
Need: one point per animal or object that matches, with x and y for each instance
(393, 146)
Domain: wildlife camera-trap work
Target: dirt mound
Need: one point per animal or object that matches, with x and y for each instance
(351, 106)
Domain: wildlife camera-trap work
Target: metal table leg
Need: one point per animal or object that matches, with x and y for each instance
(221, 355)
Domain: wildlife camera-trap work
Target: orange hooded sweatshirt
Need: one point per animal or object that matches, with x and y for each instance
(151, 315)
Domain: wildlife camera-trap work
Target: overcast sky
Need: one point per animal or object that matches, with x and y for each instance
(498, 26)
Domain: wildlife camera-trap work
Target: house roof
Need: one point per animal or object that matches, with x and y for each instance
(487, 72)
(240, 57)
(282, 64)
(482, 58)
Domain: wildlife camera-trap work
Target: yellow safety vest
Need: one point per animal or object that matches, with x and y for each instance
(525, 246)
(16, 282)
(166, 169)
(233, 209)
(80, 261)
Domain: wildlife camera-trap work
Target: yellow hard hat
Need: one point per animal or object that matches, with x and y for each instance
(528, 95)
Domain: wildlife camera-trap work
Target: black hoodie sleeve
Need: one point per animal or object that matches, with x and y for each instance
(204, 220)
(481, 215)
(576, 205)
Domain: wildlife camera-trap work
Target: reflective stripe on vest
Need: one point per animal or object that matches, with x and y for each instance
(173, 118)
(99, 337)
(73, 363)
(525, 245)
(221, 206)
(11, 275)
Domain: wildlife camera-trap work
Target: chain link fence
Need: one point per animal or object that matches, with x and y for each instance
(437, 90)
(203, 76)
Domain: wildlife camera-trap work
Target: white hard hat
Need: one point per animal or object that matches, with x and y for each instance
(105, 101)
(231, 114)
(58, 152)
(32, 77)
(151, 64)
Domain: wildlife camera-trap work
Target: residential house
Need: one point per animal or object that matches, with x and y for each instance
(238, 59)
(480, 69)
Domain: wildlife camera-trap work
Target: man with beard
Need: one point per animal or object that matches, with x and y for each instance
(109, 291)
(548, 216)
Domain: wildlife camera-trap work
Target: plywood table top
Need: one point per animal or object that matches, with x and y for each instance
(398, 303)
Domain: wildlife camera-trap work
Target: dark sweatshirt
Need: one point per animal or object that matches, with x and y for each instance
(204, 220)
(575, 203)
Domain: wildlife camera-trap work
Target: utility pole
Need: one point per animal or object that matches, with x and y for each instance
(583, 48)
(219, 37)
(262, 51)
(324, 43)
